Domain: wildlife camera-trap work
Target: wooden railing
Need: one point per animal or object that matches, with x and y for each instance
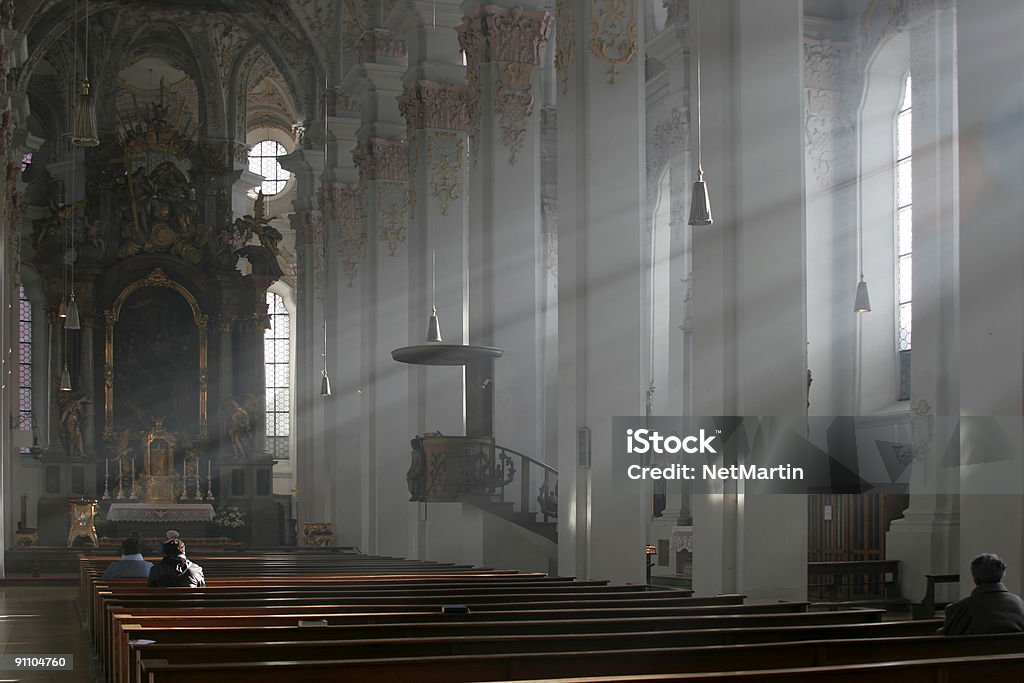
(453, 468)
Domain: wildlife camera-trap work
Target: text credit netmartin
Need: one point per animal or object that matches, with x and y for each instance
(739, 472)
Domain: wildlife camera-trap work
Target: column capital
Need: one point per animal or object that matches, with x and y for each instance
(513, 39)
(308, 225)
(426, 104)
(500, 34)
(382, 159)
(383, 46)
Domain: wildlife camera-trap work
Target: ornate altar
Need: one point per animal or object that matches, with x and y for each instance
(81, 515)
(168, 397)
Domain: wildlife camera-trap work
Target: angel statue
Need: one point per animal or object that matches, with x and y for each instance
(240, 419)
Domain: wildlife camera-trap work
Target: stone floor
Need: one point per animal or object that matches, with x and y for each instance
(43, 621)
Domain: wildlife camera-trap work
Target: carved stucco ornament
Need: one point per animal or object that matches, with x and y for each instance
(613, 33)
(565, 41)
(444, 157)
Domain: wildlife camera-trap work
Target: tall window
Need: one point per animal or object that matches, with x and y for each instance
(277, 354)
(263, 160)
(904, 233)
(24, 362)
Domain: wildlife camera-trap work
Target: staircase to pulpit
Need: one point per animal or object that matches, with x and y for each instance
(474, 469)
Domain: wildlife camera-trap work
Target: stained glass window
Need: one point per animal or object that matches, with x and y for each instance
(263, 160)
(277, 358)
(24, 362)
(904, 238)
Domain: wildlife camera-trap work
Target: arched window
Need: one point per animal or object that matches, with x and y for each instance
(277, 358)
(904, 241)
(24, 362)
(263, 160)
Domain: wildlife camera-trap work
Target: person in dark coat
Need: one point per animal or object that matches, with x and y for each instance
(990, 608)
(131, 565)
(175, 570)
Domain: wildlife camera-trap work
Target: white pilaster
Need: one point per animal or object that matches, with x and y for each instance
(602, 189)
(759, 215)
(990, 89)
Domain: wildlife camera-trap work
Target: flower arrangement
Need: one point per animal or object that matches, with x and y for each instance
(229, 517)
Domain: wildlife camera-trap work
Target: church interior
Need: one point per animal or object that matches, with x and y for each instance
(364, 300)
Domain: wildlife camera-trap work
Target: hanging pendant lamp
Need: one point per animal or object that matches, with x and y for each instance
(72, 321)
(85, 133)
(433, 326)
(65, 379)
(700, 202)
(861, 303)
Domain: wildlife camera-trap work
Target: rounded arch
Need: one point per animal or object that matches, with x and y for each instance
(884, 79)
(155, 278)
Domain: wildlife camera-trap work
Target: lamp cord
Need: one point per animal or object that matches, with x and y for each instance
(324, 218)
(700, 128)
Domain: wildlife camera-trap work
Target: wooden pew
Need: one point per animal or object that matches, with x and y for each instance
(998, 667)
(883, 575)
(110, 644)
(926, 609)
(634, 652)
(478, 603)
(544, 623)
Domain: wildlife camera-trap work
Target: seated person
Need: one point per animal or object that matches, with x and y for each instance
(143, 548)
(175, 570)
(990, 608)
(131, 565)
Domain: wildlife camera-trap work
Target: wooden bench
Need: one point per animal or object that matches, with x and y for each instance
(996, 667)
(634, 652)
(876, 578)
(926, 609)
(544, 623)
(110, 643)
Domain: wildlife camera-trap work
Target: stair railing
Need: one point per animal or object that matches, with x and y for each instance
(446, 467)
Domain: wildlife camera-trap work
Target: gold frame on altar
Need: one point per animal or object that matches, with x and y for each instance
(158, 459)
(161, 463)
(157, 278)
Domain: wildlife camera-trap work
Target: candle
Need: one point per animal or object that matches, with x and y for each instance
(106, 467)
(119, 474)
(208, 466)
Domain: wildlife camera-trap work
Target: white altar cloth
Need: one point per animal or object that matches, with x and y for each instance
(158, 512)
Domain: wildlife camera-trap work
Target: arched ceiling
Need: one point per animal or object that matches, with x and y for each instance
(240, 53)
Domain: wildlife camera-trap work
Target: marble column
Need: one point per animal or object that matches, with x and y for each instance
(668, 189)
(503, 46)
(990, 112)
(749, 284)
(381, 155)
(312, 495)
(926, 538)
(341, 201)
(435, 104)
(601, 273)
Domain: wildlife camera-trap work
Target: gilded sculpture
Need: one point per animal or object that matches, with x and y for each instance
(71, 421)
(159, 214)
